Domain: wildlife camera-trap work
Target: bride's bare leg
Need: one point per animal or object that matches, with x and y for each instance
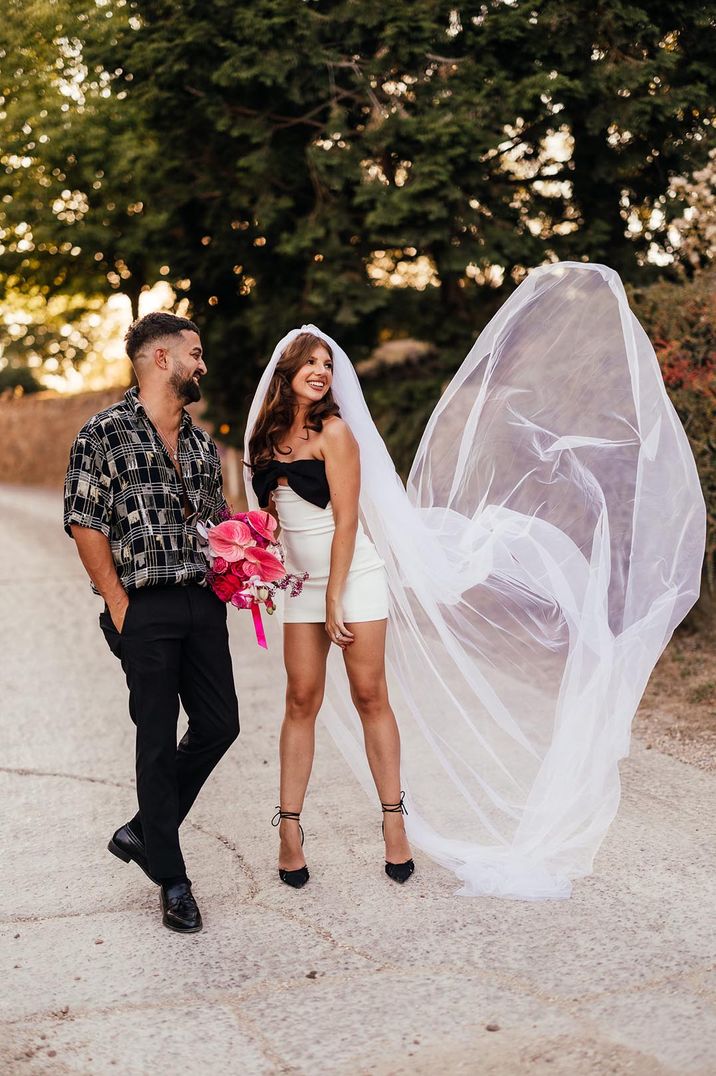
(365, 665)
(305, 648)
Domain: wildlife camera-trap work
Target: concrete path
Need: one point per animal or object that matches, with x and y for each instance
(351, 975)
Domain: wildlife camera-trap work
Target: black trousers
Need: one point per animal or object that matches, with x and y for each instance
(174, 646)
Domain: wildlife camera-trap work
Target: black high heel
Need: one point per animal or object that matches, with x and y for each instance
(399, 872)
(297, 878)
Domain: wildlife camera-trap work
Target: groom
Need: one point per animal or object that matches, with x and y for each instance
(140, 476)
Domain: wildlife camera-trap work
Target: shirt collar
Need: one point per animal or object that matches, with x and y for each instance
(131, 398)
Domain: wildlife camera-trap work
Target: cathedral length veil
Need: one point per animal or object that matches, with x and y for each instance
(549, 541)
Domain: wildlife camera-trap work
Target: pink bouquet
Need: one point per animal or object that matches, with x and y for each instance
(246, 564)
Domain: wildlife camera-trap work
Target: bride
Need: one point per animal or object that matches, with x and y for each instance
(548, 542)
(305, 457)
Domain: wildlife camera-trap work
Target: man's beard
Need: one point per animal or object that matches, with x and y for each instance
(185, 388)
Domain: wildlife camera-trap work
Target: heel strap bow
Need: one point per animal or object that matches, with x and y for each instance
(290, 816)
(395, 808)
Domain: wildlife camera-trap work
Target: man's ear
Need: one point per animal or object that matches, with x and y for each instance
(160, 357)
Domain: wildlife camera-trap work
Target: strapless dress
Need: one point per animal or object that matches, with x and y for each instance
(307, 531)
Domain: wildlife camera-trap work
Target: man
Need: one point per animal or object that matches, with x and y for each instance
(140, 476)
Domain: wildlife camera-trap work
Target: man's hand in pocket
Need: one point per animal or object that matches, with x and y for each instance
(118, 611)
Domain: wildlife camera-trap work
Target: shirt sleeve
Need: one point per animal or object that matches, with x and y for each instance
(216, 502)
(88, 489)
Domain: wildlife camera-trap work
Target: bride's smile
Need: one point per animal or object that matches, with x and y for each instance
(314, 379)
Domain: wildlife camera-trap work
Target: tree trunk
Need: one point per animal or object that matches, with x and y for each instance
(598, 199)
(133, 290)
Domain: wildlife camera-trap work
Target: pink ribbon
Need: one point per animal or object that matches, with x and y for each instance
(258, 625)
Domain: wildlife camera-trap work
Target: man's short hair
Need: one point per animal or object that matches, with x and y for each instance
(153, 327)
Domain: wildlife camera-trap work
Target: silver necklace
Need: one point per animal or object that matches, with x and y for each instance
(173, 452)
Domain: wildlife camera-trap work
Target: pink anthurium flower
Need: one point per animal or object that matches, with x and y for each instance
(230, 539)
(263, 523)
(267, 567)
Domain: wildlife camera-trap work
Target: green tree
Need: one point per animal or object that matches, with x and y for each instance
(636, 82)
(278, 162)
(72, 220)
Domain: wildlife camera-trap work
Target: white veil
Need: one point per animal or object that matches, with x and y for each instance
(550, 540)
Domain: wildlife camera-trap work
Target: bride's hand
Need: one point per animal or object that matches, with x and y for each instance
(338, 633)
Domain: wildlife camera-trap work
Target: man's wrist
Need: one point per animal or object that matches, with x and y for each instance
(116, 598)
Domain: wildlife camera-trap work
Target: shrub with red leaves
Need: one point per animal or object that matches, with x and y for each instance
(680, 320)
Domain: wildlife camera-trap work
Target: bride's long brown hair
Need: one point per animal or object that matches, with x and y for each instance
(279, 407)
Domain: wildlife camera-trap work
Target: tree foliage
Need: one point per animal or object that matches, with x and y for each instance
(72, 156)
(281, 162)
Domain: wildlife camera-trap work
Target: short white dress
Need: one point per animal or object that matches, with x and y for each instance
(307, 530)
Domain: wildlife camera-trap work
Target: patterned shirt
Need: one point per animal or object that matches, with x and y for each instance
(121, 481)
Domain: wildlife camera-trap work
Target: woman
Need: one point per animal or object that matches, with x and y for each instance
(304, 458)
(534, 577)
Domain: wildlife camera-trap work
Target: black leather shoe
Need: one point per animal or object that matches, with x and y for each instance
(126, 845)
(179, 909)
(400, 872)
(296, 879)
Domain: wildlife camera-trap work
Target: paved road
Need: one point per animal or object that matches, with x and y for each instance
(351, 975)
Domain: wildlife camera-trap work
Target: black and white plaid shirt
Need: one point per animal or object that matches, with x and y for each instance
(121, 481)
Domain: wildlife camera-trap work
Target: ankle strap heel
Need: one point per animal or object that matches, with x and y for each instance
(399, 872)
(298, 878)
(395, 808)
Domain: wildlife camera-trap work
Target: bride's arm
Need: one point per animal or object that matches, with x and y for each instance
(342, 459)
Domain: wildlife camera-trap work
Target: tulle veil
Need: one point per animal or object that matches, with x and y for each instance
(549, 540)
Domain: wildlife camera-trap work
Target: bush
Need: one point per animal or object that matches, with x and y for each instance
(19, 380)
(680, 320)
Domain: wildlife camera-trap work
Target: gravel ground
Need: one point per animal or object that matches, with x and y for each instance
(678, 712)
(352, 975)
